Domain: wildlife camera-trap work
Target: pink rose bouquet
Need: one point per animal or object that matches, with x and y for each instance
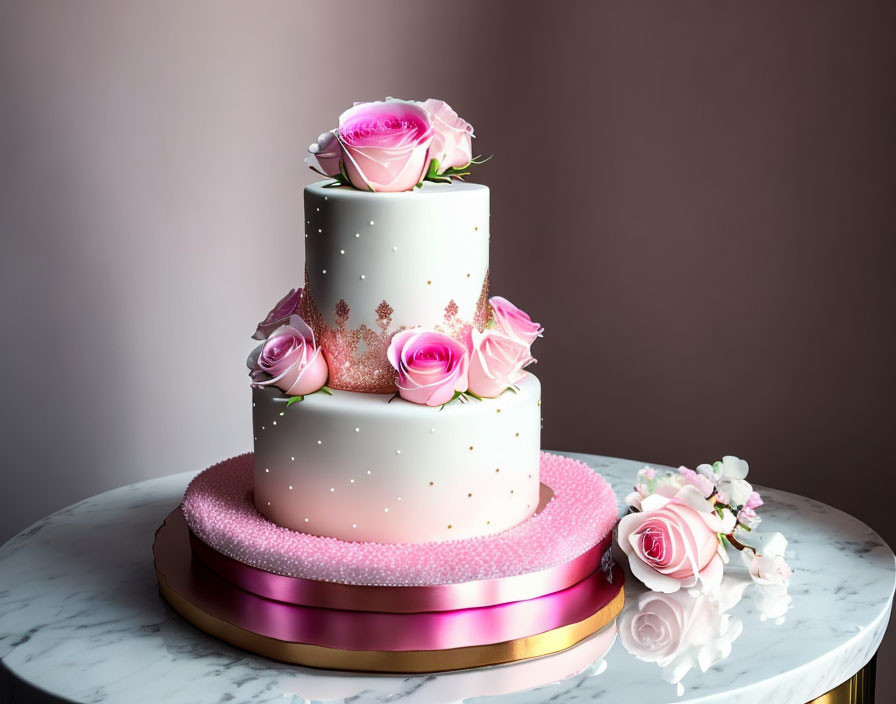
(431, 366)
(394, 145)
(681, 524)
(290, 360)
(279, 314)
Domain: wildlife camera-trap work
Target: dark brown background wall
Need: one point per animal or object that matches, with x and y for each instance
(695, 198)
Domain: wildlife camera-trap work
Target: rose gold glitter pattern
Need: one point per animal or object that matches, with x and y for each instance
(357, 356)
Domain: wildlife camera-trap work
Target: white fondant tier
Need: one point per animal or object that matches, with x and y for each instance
(379, 262)
(359, 467)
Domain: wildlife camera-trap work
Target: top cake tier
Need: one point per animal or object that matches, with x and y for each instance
(376, 263)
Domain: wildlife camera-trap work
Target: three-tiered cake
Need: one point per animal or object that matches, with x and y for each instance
(397, 513)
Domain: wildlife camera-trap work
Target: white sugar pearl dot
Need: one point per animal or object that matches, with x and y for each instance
(332, 488)
(432, 430)
(395, 249)
(363, 277)
(354, 525)
(399, 498)
(293, 459)
(262, 427)
(386, 510)
(368, 471)
(342, 251)
(306, 520)
(325, 271)
(357, 234)
(290, 487)
(275, 422)
(320, 442)
(266, 469)
(398, 452)
(326, 197)
(269, 503)
(357, 430)
(282, 414)
(319, 230)
(351, 481)
(371, 222)
(317, 209)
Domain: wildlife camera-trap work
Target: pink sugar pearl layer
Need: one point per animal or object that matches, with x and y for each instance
(219, 510)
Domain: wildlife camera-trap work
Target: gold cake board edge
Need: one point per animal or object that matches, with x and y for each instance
(398, 661)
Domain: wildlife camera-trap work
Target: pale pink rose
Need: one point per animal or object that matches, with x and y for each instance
(513, 322)
(673, 542)
(452, 142)
(326, 153)
(279, 314)
(290, 360)
(431, 366)
(496, 362)
(385, 145)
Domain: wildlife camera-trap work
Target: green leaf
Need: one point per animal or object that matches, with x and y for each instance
(394, 396)
(325, 390)
(294, 399)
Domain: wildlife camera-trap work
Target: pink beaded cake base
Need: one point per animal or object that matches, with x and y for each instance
(218, 509)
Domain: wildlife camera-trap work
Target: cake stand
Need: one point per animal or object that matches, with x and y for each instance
(81, 620)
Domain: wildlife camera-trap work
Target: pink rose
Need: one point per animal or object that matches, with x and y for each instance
(327, 153)
(279, 314)
(673, 542)
(385, 144)
(290, 360)
(452, 142)
(431, 366)
(513, 322)
(496, 362)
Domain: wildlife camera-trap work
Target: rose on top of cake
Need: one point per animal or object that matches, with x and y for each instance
(395, 145)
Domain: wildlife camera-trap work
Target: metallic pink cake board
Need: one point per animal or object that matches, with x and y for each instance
(386, 629)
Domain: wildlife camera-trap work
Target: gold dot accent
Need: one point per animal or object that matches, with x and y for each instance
(429, 283)
(511, 491)
(498, 469)
(517, 435)
(471, 447)
(476, 228)
(488, 523)
(499, 410)
(431, 483)
(538, 403)
(469, 495)
(468, 276)
(449, 526)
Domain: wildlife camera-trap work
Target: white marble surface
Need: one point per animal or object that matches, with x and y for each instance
(81, 620)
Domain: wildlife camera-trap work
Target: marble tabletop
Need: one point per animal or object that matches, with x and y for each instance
(81, 620)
